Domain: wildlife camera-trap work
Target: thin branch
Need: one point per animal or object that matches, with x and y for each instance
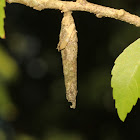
(98, 10)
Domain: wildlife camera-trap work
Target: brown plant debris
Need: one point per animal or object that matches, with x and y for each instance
(69, 47)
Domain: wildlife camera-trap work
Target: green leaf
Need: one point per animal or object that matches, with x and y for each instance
(126, 79)
(2, 16)
(2, 3)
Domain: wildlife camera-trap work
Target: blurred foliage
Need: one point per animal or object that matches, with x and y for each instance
(2, 135)
(61, 135)
(24, 137)
(7, 108)
(8, 72)
(8, 67)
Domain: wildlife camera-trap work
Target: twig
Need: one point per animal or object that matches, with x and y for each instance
(98, 10)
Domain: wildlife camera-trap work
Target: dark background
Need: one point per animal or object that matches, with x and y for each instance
(36, 88)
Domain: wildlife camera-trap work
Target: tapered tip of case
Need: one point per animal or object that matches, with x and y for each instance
(73, 105)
